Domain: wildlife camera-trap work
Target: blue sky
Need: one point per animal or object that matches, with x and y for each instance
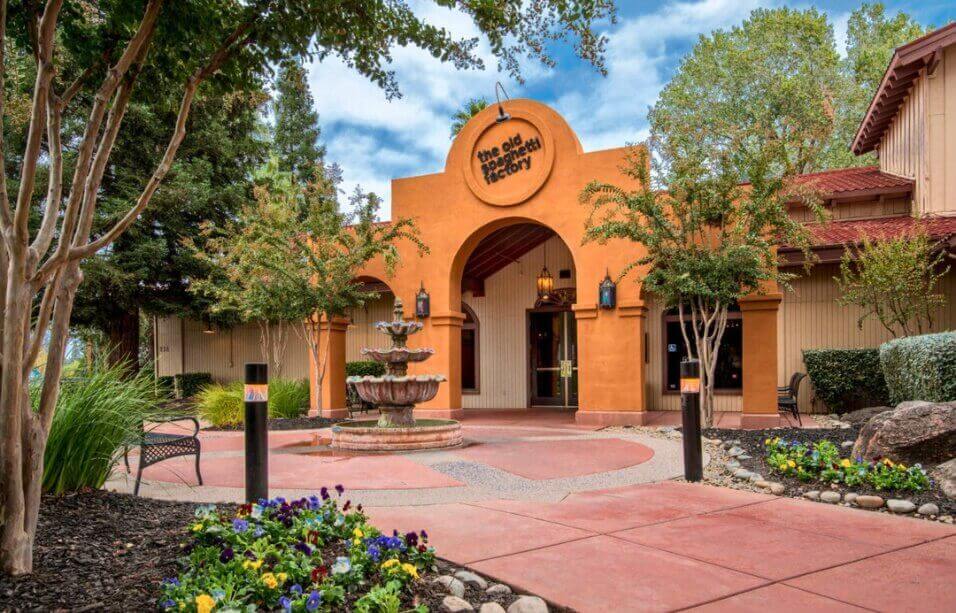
(376, 140)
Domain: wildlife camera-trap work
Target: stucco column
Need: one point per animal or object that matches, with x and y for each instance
(442, 332)
(333, 402)
(759, 314)
(611, 364)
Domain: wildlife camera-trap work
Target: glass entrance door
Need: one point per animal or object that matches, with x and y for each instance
(553, 358)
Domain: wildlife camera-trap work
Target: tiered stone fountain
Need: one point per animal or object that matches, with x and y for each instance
(395, 395)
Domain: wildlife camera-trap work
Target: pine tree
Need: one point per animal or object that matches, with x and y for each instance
(296, 133)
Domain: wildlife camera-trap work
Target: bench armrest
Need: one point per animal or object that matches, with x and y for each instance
(175, 419)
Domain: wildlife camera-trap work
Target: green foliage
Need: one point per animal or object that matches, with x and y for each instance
(362, 368)
(96, 416)
(847, 379)
(920, 367)
(295, 137)
(251, 560)
(464, 114)
(221, 405)
(894, 280)
(166, 386)
(821, 462)
(188, 384)
(288, 398)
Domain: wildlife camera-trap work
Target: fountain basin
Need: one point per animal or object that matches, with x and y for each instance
(391, 390)
(398, 355)
(368, 436)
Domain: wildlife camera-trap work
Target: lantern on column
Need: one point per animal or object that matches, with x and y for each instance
(422, 303)
(607, 292)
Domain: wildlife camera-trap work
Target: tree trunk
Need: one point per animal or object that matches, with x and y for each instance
(123, 334)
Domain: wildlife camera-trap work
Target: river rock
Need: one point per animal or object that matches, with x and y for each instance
(491, 607)
(914, 431)
(945, 475)
(528, 604)
(812, 495)
(742, 473)
(498, 589)
(830, 497)
(454, 586)
(454, 604)
(777, 488)
(928, 509)
(735, 451)
(469, 578)
(861, 416)
(869, 502)
(900, 506)
(850, 497)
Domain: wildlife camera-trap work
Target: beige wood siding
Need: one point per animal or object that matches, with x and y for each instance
(857, 209)
(503, 326)
(657, 399)
(361, 333)
(810, 318)
(921, 142)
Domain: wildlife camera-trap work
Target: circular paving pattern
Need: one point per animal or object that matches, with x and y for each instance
(519, 461)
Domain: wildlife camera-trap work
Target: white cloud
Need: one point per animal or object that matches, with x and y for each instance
(840, 23)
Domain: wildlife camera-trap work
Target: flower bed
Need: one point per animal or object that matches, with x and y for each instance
(301, 555)
(821, 461)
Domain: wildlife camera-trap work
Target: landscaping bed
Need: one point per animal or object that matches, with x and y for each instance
(103, 551)
(753, 442)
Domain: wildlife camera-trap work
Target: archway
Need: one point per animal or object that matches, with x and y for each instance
(529, 339)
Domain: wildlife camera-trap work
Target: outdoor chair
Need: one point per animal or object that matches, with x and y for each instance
(354, 402)
(154, 447)
(787, 396)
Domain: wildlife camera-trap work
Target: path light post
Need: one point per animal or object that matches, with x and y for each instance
(690, 409)
(256, 398)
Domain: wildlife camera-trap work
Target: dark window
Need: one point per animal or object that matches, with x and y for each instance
(469, 351)
(728, 375)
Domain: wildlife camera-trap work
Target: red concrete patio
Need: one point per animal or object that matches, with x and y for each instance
(672, 546)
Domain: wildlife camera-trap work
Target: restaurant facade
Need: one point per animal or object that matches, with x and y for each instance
(514, 306)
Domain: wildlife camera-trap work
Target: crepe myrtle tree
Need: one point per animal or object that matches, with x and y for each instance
(46, 232)
(708, 240)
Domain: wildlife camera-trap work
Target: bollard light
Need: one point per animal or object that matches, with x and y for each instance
(690, 419)
(256, 400)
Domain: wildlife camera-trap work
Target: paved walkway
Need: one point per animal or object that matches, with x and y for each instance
(590, 520)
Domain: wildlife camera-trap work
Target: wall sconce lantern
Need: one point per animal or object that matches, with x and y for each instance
(545, 283)
(607, 292)
(422, 303)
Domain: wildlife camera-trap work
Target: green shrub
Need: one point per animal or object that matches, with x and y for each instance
(166, 386)
(363, 368)
(221, 405)
(96, 416)
(188, 384)
(288, 398)
(847, 379)
(920, 367)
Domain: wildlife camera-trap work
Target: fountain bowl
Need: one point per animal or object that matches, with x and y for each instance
(393, 390)
(368, 437)
(398, 355)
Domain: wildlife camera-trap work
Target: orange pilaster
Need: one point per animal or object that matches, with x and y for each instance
(611, 364)
(333, 399)
(443, 333)
(759, 313)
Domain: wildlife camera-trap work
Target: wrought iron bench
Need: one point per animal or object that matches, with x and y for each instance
(787, 396)
(354, 403)
(154, 447)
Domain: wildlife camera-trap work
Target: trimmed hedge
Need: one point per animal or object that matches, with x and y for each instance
(847, 379)
(166, 386)
(188, 384)
(920, 367)
(364, 367)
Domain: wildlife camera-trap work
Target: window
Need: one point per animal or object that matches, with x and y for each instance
(728, 374)
(469, 351)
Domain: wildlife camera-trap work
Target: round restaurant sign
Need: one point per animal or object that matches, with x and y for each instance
(511, 160)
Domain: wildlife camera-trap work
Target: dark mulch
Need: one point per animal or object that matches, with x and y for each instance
(298, 423)
(753, 442)
(103, 551)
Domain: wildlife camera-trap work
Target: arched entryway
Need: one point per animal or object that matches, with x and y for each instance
(519, 281)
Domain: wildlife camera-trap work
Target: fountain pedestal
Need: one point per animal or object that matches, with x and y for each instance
(395, 395)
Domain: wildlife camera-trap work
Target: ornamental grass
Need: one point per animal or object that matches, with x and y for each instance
(222, 405)
(300, 555)
(821, 461)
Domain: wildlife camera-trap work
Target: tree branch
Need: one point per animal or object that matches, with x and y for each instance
(6, 215)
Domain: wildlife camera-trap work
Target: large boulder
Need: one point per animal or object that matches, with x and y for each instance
(945, 475)
(861, 416)
(914, 431)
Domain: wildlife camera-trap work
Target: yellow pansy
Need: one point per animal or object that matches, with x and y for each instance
(358, 532)
(205, 603)
(783, 466)
(270, 581)
(411, 570)
(253, 565)
(197, 527)
(888, 461)
(845, 463)
(791, 464)
(282, 577)
(901, 466)
(389, 563)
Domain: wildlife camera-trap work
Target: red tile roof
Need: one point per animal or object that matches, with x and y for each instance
(853, 231)
(858, 179)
